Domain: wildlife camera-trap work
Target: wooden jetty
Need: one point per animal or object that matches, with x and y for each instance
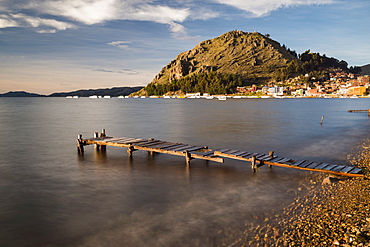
(359, 110)
(368, 111)
(203, 152)
(132, 144)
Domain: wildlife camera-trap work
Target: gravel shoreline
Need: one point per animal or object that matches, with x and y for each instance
(335, 211)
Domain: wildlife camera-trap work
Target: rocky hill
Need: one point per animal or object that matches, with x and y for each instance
(365, 70)
(249, 55)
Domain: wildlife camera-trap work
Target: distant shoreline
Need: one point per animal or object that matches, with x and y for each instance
(113, 92)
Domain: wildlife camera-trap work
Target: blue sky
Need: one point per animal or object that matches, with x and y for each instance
(64, 45)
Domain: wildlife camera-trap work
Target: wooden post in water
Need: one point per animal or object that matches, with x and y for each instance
(80, 145)
(253, 163)
(271, 154)
(322, 120)
(187, 157)
(151, 153)
(130, 150)
(103, 148)
(97, 146)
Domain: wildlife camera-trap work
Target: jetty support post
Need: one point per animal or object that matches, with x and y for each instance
(322, 119)
(271, 154)
(151, 153)
(80, 144)
(130, 150)
(187, 157)
(103, 148)
(97, 146)
(253, 163)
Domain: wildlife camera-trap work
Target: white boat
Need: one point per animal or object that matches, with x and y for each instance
(209, 97)
(93, 97)
(221, 97)
(75, 97)
(167, 97)
(106, 97)
(69, 97)
(121, 97)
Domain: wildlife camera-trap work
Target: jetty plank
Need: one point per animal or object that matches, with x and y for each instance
(133, 140)
(276, 159)
(355, 170)
(321, 166)
(148, 143)
(231, 151)
(240, 153)
(154, 144)
(338, 168)
(330, 167)
(123, 139)
(305, 164)
(166, 145)
(347, 169)
(297, 163)
(284, 160)
(182, 148)
(313, 165)
(177, 146)
(249, 155)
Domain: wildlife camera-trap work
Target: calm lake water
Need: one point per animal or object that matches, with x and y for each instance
(50, 196)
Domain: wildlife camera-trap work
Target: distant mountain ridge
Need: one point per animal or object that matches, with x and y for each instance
(21, 94)
(113, 92)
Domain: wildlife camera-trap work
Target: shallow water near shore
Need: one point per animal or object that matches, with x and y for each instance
(53, 197)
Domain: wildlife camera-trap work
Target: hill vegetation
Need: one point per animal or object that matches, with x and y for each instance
(236, 58)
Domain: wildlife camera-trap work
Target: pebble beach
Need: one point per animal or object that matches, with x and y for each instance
(332, 211)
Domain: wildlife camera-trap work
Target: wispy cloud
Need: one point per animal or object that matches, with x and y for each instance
(120, 71)
(122, 45)
(264, 7)
(22, 20)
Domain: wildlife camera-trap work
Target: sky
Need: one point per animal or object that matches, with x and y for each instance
(51, 46)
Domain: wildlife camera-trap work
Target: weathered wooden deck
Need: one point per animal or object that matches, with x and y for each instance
(203, 152)
(258, 159)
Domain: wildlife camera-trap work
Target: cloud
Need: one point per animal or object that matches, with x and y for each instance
(88, 12)
(22, 20)
(122, 45)
(263, 7)
(120, 71)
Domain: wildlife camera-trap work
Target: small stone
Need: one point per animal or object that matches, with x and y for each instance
(336, 242)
